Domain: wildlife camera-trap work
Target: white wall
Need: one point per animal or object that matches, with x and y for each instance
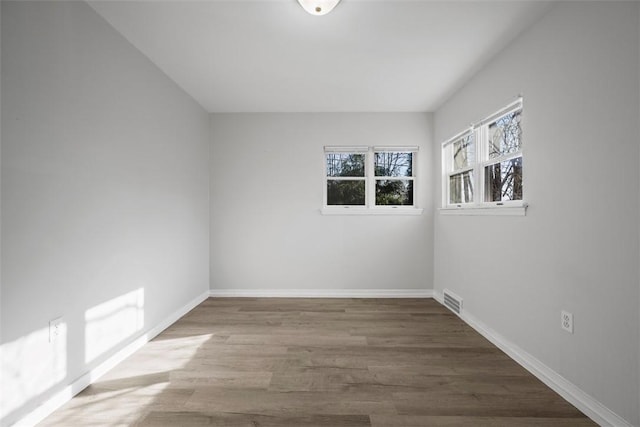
(577, 248)
(104, 197)
(266, 228)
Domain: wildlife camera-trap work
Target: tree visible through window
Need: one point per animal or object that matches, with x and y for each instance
(483, 165)
(369, 177)
(394, 178)
(503, 179)
(461, 182)
(346, 179)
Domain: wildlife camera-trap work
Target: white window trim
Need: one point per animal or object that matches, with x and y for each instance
(510, 210)
(370, 183)
(386, 210)
(479, 206)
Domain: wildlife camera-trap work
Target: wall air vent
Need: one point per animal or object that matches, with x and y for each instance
(452, 301)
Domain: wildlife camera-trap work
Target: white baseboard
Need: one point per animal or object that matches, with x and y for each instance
(63, 396)
(321, 293)
(565, 388)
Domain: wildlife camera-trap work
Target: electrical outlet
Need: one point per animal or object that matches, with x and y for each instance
(566, 321)
(55, 329)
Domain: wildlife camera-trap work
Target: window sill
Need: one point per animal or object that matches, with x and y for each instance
(486, 210)
(371, 211)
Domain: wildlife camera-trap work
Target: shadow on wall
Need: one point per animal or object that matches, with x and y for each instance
(38, 363)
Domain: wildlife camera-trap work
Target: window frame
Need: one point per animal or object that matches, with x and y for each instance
(448, 166)
(327, 178)
(480, 133)
(370, 207)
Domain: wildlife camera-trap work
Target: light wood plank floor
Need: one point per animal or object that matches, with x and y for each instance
(318, 362)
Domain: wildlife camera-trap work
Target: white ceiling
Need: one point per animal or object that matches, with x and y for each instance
(365, 56)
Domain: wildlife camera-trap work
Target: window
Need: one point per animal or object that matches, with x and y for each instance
(482, 166)
(370, 180)
(346, 181)
(394, 178)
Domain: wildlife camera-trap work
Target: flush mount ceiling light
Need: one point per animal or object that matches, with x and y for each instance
(318, 7)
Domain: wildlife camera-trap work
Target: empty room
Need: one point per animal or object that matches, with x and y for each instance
(320, 213)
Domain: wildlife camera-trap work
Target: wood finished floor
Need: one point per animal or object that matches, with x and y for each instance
(318, 362)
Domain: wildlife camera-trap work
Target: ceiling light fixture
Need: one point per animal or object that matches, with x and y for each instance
(318, 7)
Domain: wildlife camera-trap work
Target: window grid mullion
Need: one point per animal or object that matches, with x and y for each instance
(503, 158)
(371, 182)
(463, 170)
(483, 137)
(397, 178)
(346, 178)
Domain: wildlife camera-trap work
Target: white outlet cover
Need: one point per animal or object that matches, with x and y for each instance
(566, 321)
(55, 326)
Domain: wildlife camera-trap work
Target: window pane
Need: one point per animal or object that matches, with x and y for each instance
(391, 192)
(394, 164)
(345, 192)
(503, 181)
(461, 187)
(345, 164)
(505, 135)
(464, 153)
